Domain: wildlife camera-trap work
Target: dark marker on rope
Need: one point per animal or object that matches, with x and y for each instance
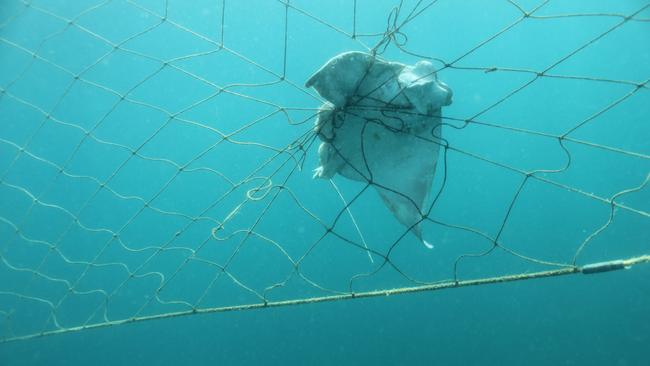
(603, 267)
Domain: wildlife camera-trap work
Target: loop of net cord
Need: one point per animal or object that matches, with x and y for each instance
(268, 186)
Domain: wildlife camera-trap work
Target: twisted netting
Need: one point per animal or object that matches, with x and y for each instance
(155, 156)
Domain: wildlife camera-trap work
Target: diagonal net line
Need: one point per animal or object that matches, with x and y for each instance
(273, 179)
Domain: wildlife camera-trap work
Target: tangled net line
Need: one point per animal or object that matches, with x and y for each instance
(53, 288)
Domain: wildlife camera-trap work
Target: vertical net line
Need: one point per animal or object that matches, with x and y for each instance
(134, 152)
(390, 35)
(295, 153)
(146, 204)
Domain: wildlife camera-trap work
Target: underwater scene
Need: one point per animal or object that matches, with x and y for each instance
(331, 182)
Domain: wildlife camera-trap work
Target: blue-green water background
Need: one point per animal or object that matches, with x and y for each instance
(574, 320)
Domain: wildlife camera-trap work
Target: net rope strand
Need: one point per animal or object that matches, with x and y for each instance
(269, 182)
(587, 269)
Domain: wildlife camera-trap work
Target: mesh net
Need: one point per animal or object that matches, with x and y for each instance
(156, 157)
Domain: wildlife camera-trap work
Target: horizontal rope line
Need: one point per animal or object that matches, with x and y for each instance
(619, 264)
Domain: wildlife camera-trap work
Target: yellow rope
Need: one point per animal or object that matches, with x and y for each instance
(627, 263)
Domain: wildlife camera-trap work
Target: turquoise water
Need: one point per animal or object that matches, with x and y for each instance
(128, 130)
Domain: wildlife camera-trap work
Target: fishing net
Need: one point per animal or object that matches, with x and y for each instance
(156, 158)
